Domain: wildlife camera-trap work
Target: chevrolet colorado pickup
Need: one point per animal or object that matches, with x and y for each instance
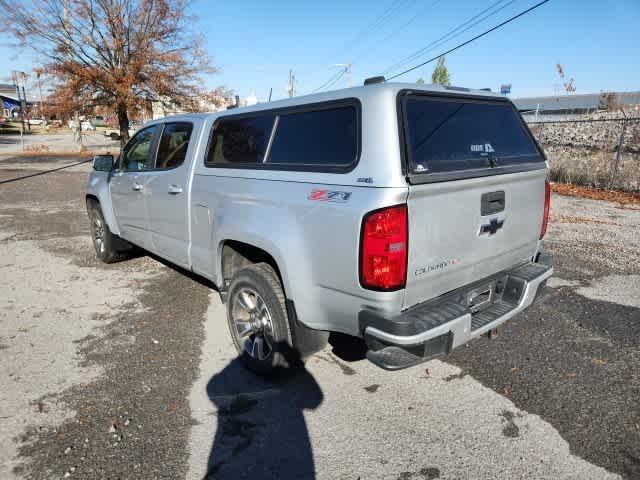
(410, 216)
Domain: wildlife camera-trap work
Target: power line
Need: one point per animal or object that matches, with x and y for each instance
(451, 34)
(44, 172)
(347, 69)
(387, 14)
(334, 78)
(471, 40)
(337, 79)
(398, 28)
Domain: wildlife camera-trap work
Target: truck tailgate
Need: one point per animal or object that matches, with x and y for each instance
(476, 190)
(452, 244)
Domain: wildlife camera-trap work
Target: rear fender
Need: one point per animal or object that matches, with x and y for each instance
(263, 243)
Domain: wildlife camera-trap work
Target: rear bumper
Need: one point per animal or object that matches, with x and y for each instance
(436, 327)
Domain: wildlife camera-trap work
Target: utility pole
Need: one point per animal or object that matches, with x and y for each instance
(38, 73)
(24, 99)
(16, 82)
(614, 171)
(292, 84)
(347, 69)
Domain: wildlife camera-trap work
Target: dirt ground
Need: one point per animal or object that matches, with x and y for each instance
(126, 370)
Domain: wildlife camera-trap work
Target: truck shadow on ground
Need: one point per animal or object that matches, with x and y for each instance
(347, 348)
(261, 430)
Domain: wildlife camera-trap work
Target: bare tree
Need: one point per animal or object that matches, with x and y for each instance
(119, 53)
(220, 96)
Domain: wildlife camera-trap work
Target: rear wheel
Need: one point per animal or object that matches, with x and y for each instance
(258, 322)
(109, 247)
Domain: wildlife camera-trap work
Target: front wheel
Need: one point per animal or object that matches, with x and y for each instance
(105, 243)
(258, 322)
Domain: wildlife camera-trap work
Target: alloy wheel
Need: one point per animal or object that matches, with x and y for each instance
(252, 322)
(98, 233)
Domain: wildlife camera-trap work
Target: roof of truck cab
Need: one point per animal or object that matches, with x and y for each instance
(359, 92)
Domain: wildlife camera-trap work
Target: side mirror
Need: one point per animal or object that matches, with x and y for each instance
(103, 163)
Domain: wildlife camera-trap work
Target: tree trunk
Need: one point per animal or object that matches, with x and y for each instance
(123, 123)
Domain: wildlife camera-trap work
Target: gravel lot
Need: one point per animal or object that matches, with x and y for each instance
(126, 371)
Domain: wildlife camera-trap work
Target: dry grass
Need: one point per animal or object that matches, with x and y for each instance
(36, 148)
(622, 198)
(577, 219)
(594, 169)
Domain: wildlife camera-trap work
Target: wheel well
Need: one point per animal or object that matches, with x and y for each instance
(237, 255)
(90, 197)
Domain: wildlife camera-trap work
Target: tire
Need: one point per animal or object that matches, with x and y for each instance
(114, 136)
(258, 322)
(109, 247)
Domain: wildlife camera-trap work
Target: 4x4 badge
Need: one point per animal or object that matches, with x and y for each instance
(492, 227)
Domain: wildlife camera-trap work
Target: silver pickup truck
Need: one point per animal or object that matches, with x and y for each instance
(410, 216)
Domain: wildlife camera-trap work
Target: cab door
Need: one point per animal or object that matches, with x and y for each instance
(128, 186)
(168, 193)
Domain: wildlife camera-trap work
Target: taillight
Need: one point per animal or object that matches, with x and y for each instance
(383, 249)
(547, 205)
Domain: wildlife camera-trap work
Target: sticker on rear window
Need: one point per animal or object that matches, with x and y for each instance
(482, 148)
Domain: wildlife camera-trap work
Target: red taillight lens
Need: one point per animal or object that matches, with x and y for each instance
(383, 249)
(547, 206)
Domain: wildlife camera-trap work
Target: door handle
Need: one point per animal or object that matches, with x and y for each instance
(174, 189)
(136, 186)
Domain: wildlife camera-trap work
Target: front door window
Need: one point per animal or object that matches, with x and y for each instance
(138, 154)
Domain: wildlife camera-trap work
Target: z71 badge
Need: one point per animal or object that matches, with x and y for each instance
(335, 196)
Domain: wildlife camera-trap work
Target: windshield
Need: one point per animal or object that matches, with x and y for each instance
(448, 134)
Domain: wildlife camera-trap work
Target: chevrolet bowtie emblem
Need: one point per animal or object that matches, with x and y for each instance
(492, 227)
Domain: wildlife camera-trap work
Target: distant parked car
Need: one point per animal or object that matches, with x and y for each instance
(36, 121)
(87, 126)
(99, 121)
(114, 133)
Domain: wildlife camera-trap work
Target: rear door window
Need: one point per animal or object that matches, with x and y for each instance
(327, 137)
(240, 140)
(446, 135)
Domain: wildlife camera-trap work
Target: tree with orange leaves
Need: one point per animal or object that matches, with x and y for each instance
(119, 53)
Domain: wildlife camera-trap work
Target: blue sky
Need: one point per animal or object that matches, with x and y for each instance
(255, 43)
